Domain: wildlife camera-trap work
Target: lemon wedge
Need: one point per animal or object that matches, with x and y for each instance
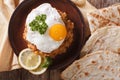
(29, 60)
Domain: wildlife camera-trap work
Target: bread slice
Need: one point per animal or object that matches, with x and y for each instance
(109, 16)
(99, 65)
(106, 38)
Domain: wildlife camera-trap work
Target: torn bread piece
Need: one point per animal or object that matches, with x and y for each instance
(104, 17)
(106, 38)
(100, 65)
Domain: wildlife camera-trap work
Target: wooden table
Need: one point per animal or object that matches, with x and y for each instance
(22, 74)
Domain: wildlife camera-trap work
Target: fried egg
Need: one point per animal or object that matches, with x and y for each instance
(55, 33)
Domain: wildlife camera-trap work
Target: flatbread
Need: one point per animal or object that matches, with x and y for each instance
(106, 38)
(104, 17)
(100, 65)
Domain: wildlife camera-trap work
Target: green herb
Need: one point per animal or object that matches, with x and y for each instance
(38, 24)
(47, 62)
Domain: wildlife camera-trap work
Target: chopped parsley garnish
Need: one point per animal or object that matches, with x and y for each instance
(38, 24)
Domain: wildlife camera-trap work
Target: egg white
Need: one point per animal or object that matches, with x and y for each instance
(44, 42)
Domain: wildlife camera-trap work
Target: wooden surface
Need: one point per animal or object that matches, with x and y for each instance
(22, 74)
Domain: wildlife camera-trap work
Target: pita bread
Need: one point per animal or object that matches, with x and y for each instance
(100, 65)
(106, 38)
(104, 17)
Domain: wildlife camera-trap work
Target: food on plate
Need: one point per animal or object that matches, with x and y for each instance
(100, 65)
(46, 61)
(35, 63)
(38, 71)
(104, 17)
(106, 38)
(29, 60)
(48, 31)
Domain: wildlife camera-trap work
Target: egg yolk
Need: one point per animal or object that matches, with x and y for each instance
(58, 32)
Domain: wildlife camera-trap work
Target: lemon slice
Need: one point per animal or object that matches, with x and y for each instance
(41, 69)
(29, 60)
(38, 71)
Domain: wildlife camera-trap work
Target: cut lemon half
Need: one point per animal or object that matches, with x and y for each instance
(29, 60)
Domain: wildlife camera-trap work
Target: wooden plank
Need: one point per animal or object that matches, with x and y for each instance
(55, 75)
(10, 75)
(25, 75)
(22, 74)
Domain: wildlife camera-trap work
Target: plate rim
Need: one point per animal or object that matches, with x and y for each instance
(82, 33)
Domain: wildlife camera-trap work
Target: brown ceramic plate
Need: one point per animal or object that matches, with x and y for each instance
(17, 23)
